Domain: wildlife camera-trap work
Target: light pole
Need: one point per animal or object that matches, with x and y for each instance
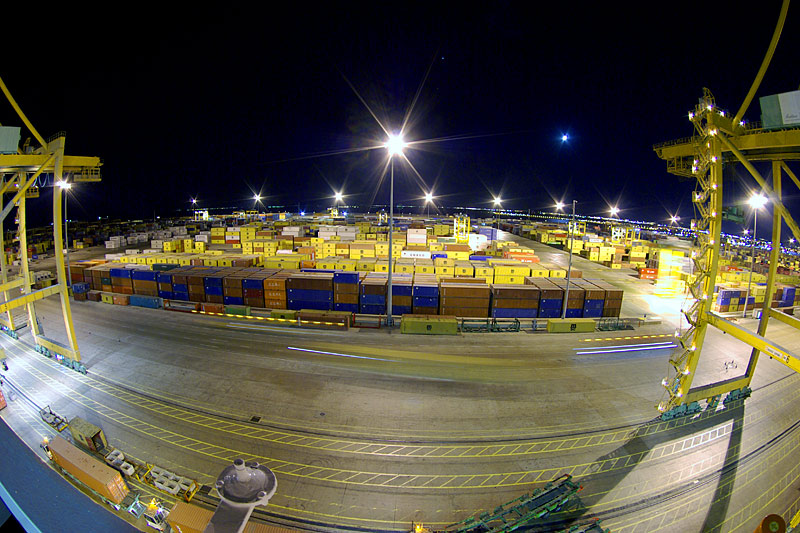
(65, 187)
(428, 200)
(756, 201)
(394, 146)
(497, 202)
(560, 206)
(194, 208)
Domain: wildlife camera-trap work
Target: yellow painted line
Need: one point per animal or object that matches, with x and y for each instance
(598, 339)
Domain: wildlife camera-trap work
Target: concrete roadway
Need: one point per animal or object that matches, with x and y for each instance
(371, 429)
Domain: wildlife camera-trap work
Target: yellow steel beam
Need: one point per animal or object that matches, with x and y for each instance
(57, 348)
(776, 201)
(789, 172)
(14, 283)
(8, 184)
(719, 388)
(21, 191)
(16, 162)
(21, 114)
(25, 270)
(774, 256)
(783, 317)
(755, 340)
(765, 63)
(30, 297)
(58, 223)
(788, 140)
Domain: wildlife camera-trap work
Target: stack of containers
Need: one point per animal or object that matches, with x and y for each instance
(402, 293)
(515, 301)
(551, 297)
(164, 280)
(594, 301)
(144, 282)
(275, 291)
(575, 298)
(232, 292)
(464, 299)
(212, 284)
(121, 281)
(196, 284)
(180, 285)
(425, 293)
(372, 299)
(253, 290)
(613, 298)
(345, 291)
(310, 291)
(418, 236)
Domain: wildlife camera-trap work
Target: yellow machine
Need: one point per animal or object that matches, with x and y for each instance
(19, 173)
(461, 228)
(721, 137)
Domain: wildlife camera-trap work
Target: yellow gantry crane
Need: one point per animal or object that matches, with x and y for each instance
(19, 173)
(723, 139)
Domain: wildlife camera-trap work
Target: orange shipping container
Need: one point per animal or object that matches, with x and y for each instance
(102, 479)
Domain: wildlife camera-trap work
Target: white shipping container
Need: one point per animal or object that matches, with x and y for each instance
(112, 244)
(201, 238)
(132, 252)
(157, 243)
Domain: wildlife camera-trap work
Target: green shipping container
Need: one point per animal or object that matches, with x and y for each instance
(242, 310)
(285, 314)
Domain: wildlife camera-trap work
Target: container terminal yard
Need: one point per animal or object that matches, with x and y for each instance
(372, 371)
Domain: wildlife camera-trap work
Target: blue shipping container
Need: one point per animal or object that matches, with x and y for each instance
(350, 308)
(373, 299)
(514, 313)
(167, 295)
(164, 277)
(549, 313)
(182, 296)
(401, 310)
(145, 301)
(120, 273)
(296, 305)
(423, 301)
(345, 277)
(550, 303)
(309, 295)
(144, 275)
(80, 288)
(213, 291)
(253, 283)
(180, 287)
(593, 304)
(212, 282)
(574, 313)
(429, 291)
(592, 313)
(233, 300)
(479, 257)
(372, 309)
(401, 290)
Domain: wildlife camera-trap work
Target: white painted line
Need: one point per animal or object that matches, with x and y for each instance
(623, 346)
(623, 350)
(340, 354)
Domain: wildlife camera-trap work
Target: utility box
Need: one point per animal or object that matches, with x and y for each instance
(570, 325)
(87, 434)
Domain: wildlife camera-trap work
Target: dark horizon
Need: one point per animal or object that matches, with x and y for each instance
(219, 107)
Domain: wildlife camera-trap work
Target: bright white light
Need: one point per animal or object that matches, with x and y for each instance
(614, 211)
(673, 219)
(302, 213)
(428, 196)
(194, 200)
(395, 145)
(63, 184)
(497, 200)
(257, 198)
(757, 201)
(564, 138)
(559, 206)
(338, 196)
(791, 240)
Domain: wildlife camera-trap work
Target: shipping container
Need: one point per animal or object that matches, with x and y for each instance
(99, 477)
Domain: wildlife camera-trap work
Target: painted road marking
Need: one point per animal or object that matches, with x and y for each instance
(626, 338)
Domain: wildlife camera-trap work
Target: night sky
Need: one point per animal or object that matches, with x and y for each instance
(222, 105)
